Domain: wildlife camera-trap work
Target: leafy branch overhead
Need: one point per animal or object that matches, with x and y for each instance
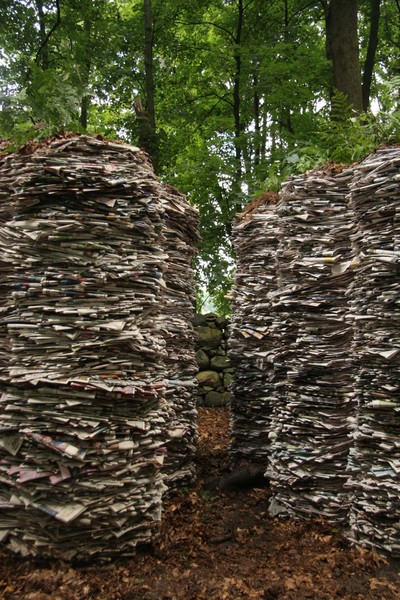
(228, 97)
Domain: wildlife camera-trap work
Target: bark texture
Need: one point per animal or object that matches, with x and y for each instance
(342, 49)
(371, 52)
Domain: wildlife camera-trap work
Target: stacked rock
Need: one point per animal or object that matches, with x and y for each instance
(374, 464)
(214, 368)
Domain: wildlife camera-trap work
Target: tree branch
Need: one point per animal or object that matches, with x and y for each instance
(209, 95)
(50, 33)
(209, 112)
(248, 4)
(210, 23)
(325, 6)
(323, 2)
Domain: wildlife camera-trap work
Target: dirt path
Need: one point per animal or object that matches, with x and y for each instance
(218, 546)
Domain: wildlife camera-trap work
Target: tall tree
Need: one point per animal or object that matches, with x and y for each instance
(42, 54)
(369, 63)
(343, 49)
(237, 39)
(147, 118)
(238, 90)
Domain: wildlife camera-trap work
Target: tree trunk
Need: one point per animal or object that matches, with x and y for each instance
(151, 139)
(42, 52)
(83, 118)
(236, 92)
(86, 64)
(264, 136)
(342, 49)
(371, 52)
(257, 129)
(144, 126)
(286, 116)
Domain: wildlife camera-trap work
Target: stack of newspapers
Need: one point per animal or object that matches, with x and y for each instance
(252, 342)
(310, 429)
(180, 234)
(84, 414)
(374, 465)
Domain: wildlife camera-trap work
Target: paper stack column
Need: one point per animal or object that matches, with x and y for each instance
(180, 233)
(309, 429)
(82, 411)
(374, 307)
(252, 340)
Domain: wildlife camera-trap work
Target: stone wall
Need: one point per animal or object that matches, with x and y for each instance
(215, 371)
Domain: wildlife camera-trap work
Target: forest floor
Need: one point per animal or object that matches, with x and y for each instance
(217, 546)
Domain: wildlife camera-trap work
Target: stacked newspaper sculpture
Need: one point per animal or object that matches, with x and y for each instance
(180, 232)
(331, 286)
(374, 464)
(309, 429)
(83, 414)
(252, 338)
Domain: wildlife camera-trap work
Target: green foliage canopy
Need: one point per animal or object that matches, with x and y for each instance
(242, 93)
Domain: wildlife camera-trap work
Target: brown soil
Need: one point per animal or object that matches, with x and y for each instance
(217, 546)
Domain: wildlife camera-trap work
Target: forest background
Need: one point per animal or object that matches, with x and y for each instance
(228, 97)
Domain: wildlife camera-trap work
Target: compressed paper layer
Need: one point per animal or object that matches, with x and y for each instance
(180, 235)
(253, 338)
(310, 432)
